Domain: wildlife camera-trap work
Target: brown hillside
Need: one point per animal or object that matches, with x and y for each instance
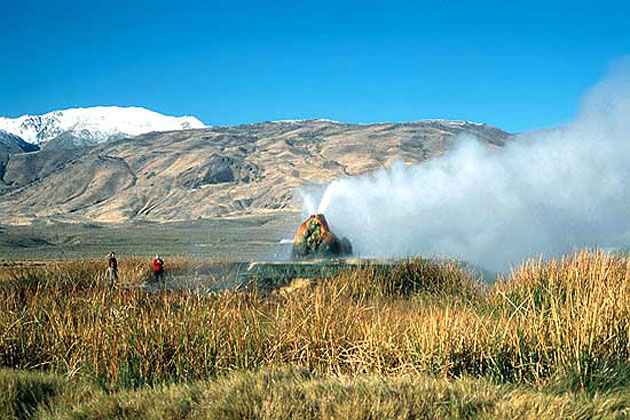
(219, 171)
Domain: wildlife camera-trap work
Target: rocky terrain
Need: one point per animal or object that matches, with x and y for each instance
(12, 144)
(183, 175)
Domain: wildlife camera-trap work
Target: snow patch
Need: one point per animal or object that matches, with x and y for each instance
(97, 124)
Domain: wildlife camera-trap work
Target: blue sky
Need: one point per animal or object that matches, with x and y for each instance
(519, 67)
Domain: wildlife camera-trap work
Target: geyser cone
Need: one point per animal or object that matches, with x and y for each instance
(314, 239)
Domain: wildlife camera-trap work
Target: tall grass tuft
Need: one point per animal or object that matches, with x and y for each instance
(563, 318)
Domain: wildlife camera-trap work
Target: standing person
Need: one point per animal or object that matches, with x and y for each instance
(112, 269)
(158, 268)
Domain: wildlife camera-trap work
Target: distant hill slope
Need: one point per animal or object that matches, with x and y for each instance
(11, 144)
(185, 175)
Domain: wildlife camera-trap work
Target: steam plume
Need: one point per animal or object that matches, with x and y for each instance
(545, 192)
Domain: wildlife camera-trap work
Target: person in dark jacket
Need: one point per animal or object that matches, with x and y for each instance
(112, 268)
(157, 266)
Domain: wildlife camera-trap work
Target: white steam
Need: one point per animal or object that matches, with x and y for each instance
(545, 192)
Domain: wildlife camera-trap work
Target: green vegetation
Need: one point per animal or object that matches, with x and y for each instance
(422, 339)
(298, 394)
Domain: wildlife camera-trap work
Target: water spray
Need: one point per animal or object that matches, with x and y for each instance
(544, 193)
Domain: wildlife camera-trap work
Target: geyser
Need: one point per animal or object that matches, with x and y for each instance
(314, 239)
(545, 192)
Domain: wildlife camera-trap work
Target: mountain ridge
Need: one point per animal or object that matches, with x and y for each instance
(216, 171)
(93, 125)
(11, 144)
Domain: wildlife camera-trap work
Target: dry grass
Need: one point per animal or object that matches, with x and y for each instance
(564, 319)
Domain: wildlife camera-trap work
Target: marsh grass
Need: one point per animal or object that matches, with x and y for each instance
(290, 393)
(563, 320)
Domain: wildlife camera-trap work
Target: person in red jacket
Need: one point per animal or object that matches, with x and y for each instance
(157, 265)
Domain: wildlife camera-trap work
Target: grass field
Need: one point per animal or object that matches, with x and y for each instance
(423, 339)
(245, 238)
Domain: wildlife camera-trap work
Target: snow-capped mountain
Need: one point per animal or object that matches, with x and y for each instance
(93, 125)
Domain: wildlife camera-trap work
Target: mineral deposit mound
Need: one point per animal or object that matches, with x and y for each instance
(315, 240)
